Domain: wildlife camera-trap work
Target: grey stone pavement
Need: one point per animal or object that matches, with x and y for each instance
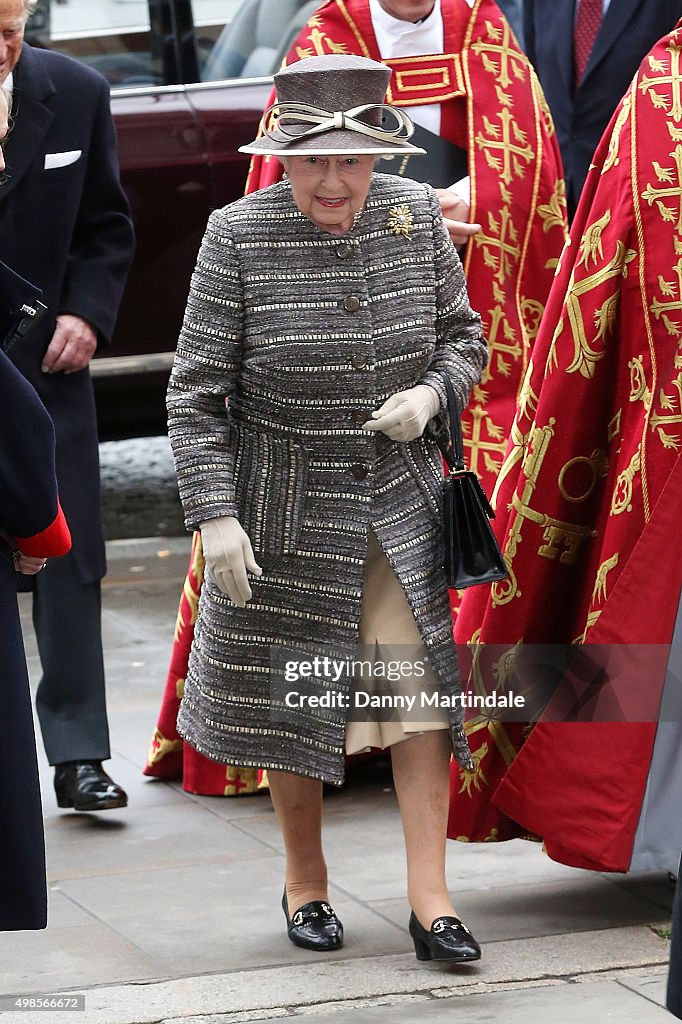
(169, 910)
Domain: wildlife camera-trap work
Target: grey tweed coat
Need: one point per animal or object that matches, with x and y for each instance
(307, 332)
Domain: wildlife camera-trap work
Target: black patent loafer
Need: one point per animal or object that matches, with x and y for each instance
(85, 786)
(448, 940)
(314, 926)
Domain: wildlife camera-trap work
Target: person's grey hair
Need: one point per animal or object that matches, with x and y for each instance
(29, 7)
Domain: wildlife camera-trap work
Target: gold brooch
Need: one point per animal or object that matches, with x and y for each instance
(400, 220)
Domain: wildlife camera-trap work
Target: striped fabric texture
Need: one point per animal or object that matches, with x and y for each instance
(306, 333)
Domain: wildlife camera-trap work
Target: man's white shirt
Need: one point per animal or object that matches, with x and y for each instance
(397, 38)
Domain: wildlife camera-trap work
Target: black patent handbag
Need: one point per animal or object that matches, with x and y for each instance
(472, 554)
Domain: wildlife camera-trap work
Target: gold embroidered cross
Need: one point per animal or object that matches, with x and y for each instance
(671, 179)
(504, 150)
(659, 420)
(321, 43)
(648, 85)
(491, 451)
(503, 240)
(501, 348)
(508, 59)
(661, 309)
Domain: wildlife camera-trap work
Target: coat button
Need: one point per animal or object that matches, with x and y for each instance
(359, 361)
(359, 471)
(351, 303)
(344, 250)
(359, 416)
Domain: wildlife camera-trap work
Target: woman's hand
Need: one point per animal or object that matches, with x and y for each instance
(456, 216)
(404, 416)
(229, 555)
(27, 564)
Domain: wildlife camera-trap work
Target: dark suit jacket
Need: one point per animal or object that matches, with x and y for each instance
(68, 230)
(628, 31)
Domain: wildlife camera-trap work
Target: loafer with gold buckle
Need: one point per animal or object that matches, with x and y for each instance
(314, 926)
(448, 940)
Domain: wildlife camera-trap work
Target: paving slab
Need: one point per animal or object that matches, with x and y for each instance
(652, 985)
(220, 917)
(652, 886)
(543, 908)
(64, 913)
(598, 1003)
(140, 839)
(62, 958)
(249, 805)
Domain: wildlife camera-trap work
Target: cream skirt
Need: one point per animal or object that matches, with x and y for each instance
(386, 619)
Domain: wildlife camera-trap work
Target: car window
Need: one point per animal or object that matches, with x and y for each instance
(246, 38)
(113, 36)
(213, 23)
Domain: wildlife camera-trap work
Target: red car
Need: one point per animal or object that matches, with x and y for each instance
(189, 80)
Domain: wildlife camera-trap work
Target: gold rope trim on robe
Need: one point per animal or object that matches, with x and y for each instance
(525, 353)
(354, 29)
(643, 290)
(447, 65)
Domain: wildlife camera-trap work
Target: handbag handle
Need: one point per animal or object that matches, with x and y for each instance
(454, 452)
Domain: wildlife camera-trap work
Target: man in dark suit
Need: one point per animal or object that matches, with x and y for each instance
(585, 54)
(513, 12)
(64, 224)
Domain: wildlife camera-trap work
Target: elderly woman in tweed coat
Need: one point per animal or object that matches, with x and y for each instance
(322, 313)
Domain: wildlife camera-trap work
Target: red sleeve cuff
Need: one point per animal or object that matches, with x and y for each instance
(49, 543)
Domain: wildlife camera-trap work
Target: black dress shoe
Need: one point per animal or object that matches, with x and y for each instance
(85, 786)
(314, 926)
(448, 940)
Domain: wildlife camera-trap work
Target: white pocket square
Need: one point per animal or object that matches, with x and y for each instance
(53, 160)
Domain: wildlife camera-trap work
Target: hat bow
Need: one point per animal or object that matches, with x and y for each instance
(321, 120)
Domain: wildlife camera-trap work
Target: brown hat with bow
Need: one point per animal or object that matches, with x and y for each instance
(333, 105)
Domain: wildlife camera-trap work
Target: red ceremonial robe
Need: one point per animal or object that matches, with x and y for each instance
(590, 495)
(492, 106)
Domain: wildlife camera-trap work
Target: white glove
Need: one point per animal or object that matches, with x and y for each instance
(404, 416)
(228, 555)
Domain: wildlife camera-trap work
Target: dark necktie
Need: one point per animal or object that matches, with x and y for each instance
(586, 28)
